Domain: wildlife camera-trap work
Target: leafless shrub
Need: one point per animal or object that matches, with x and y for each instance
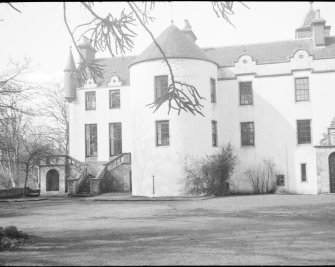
(262, 177)
(210, 175)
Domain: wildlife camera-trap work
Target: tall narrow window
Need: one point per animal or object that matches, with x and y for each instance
(246, 97)
(303, 172)
(90, 100)
(161, 85)
(162, 133)
(304, 131)
(114, 98)
(213, 90)
(301, 89)
(214, 133)
(91, 137)
(247, 134)
(115, 138)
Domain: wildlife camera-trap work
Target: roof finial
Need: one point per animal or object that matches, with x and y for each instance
(171, 8)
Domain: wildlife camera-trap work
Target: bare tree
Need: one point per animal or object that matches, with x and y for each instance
(56, 108)
(117, 33)
(34, 145)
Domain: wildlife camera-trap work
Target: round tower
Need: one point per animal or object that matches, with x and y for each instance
(161, 141)
(70, 82)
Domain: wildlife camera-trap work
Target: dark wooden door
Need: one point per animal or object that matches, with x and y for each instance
(332, 173)
(52, 180)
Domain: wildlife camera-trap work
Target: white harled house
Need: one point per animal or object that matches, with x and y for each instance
(270, 100)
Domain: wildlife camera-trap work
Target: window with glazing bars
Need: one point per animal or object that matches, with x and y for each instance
(213, 90)
(246, 97)
(161, 86)
(90, 100)
(247, 134)
(91, 138)
(214, 133)
(162, 133)
(115, 138)
(301, 89)
(304, 131)
(114, 98)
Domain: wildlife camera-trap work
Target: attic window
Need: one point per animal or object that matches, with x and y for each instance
(301, 56)
(245, 61)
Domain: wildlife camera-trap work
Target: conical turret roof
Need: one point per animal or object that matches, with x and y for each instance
(70, 65)
(175, 44)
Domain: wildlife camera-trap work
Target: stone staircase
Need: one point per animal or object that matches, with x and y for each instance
(84, 189)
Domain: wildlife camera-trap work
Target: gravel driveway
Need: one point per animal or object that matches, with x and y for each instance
(268, 229)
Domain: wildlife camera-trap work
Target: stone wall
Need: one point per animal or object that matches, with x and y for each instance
(322, 166)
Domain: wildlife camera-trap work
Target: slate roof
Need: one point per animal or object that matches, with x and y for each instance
(175, 44)
(271, 52)
(117, 64)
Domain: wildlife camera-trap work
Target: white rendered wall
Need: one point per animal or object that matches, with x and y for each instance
(274, 114)
(102, 116)
(189, 135)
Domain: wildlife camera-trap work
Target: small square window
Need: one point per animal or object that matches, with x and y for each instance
(90, 100)
(162, 133)
(246, 97)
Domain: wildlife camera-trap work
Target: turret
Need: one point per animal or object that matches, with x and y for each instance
(70, 79)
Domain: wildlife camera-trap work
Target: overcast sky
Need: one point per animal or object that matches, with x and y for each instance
(39, 31)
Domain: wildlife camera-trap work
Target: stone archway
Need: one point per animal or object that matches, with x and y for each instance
(52, 180)
(331, 160)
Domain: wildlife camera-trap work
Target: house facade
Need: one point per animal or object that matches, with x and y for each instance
(270, 100)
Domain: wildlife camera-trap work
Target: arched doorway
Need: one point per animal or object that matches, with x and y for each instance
(52, 180)
(331, 160)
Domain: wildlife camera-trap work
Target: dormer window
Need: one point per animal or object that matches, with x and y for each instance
(161, 86)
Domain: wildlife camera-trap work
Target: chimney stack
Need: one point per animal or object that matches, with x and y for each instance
(86, 49)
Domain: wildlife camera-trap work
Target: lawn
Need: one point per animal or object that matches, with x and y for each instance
(269, 229)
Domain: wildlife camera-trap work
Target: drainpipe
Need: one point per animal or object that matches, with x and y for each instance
(153, 184)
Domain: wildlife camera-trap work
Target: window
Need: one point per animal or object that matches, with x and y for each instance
(115, 138)
(90, 100)
(301, 89)
(114, 99)
(303, 172)
(162, 133)
(280, 179)
(304, 131)
(91, 138)
(246, 97)
(213, 90)
(161, 86)
(247, 134)
(214, 133)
